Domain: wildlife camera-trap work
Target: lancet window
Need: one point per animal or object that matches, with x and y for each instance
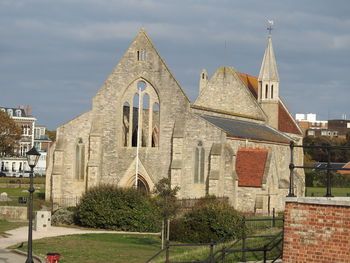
(80, 160)
(199, 156)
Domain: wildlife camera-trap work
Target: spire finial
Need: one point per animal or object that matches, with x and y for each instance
(269, 27)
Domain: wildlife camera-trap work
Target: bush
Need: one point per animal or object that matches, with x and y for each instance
(210, 220)
(63, 216)
(110, 207)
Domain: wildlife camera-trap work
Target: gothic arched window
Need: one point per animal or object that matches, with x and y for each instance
(199, 157)
(143, 115)
(266, 90)
(271, 91)
(80, 160)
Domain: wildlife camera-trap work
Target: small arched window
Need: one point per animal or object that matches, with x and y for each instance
(266, 91)
(141, 55)
(271, 91)
(18, 113)
(199, 163)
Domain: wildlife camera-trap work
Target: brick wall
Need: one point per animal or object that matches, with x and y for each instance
(317, 230)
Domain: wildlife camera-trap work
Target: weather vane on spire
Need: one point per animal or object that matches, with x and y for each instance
(270, 24)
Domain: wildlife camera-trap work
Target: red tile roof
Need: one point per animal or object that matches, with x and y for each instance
(345, 171)
(250, 166)
(285, 121)
(251, 82)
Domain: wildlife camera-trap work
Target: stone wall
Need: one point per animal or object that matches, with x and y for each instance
(317, 230)
(13, 212)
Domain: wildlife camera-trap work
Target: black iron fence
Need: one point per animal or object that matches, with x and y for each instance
(328, 167)
(188, 203)
(255, 235)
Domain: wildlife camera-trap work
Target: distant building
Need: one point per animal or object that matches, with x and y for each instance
(311, 126)
(16, 165)
(42, 144)
(330, 128)
(341, 127)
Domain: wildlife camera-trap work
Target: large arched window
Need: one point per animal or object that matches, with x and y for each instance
(80, 160)
(143, 115)
(199, 163)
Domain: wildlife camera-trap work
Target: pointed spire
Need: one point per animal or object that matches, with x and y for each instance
(268, 70)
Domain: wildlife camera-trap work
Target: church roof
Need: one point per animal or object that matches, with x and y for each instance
(247, 130)
(268, 70)
(250, 166)
(285, 121)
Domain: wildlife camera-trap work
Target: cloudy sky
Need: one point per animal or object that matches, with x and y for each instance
(54, 55)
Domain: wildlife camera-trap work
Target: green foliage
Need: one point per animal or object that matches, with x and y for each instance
(110, 207)
(10, 134)
(320, 155)
(208, 221)
(319, 179)
(166, 198)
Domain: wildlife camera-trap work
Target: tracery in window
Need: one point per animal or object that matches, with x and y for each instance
(126, 123)
(144, 114)
(155, 122)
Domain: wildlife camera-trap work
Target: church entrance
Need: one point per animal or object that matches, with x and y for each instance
(142, 184)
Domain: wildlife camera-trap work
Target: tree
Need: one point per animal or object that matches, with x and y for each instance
(10, 134)
(52, 135)
(166, 202)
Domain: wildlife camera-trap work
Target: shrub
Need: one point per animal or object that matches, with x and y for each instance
(110, 207)
(63, 216)
(210, 220)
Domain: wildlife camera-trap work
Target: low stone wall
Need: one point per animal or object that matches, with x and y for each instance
(317, 229)
(13, 212)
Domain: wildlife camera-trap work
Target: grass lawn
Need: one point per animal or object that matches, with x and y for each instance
(117, 248)
(37, 180)
(7, 225)
(14, 193)
(91, 248)
(321, 191)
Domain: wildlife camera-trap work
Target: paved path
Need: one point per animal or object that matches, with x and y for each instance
(20, 235)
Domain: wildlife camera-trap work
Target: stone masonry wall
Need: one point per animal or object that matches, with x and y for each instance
(317, 230)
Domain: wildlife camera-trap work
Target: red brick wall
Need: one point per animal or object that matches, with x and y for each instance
(316, 233)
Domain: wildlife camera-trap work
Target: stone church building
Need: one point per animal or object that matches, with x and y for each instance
(232, 141)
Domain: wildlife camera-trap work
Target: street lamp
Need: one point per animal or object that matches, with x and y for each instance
(32, 159)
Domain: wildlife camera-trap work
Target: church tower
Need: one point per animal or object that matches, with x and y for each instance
(268, 93)
(203, 80)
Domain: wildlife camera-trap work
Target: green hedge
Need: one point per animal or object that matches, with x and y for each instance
(210, 220)
(110, 207)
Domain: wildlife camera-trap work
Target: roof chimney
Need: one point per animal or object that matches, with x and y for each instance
(21, 107)
(28, 110)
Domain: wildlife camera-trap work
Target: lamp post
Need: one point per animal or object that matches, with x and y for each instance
(32, 159)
